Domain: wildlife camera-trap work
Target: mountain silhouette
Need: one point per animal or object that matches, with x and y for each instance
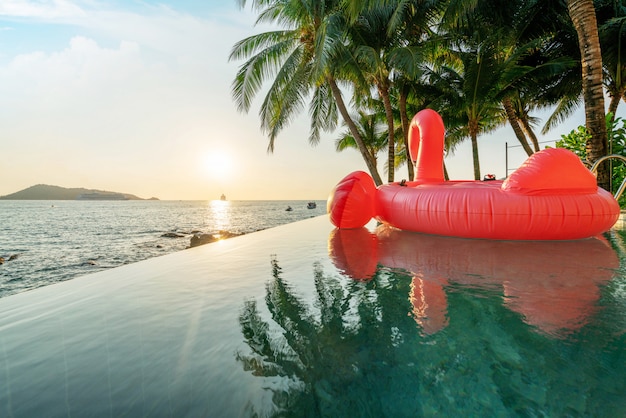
(48, 192)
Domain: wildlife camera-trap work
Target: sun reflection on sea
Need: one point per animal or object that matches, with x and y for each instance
(219, 214)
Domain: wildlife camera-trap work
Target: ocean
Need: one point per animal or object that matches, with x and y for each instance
(44, 242)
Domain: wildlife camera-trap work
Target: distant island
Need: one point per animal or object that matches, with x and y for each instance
(47, 192)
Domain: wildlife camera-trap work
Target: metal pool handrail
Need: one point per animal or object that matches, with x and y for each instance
(594, 169)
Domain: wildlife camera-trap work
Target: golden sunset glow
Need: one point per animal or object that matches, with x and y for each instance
(217, 165)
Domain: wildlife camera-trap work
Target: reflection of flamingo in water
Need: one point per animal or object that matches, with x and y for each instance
(554, 285)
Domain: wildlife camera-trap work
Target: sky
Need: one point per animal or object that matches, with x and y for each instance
(135, 97)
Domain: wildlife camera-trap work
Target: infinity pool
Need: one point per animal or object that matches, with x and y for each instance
(304, 320)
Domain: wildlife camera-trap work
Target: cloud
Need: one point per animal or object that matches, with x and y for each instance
(116, 47)
(124, 80)
(40, 9)
(54, 82)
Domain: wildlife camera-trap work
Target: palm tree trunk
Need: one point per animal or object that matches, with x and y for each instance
(529, 131)
(404, 119)
(583, 15)
(514, 122)
(615, 99)
(475, 157)
(383, 90)
(373, 156)
(371, 165)
(473, 128)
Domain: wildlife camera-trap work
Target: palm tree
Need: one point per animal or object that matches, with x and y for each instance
(372, 130)
(611, 17)
(610, 20)
(614, 64)
(522, 108)
(375, 49)
(372, 45)
(472, 80)
(404, 88)
(516, 124)
(529, 92)
(386, 37)
(301, 61)
(415, 21)
(411, 94)
(503, 62)
(479, 67)
(583, 15)
(537, 31)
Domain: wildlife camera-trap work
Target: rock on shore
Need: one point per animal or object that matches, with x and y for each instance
(203, 238)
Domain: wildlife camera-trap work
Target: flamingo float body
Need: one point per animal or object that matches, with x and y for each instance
(552, 196)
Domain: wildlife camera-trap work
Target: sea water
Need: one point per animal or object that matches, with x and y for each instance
(45, 242)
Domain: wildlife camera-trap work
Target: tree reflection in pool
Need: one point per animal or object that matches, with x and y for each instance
(405, 324)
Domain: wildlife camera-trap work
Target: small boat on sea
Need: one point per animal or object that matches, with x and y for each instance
(289, 209)
(311, 205)
(552, 196)
(223, 197)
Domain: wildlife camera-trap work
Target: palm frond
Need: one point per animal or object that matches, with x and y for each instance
(255, 43)
(408, 59)
(564, 109)
(254, 72)
(323, 112)
(285, 97)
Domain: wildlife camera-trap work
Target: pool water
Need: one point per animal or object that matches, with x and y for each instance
(305, 320)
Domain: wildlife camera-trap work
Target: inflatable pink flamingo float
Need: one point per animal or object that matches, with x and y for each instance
(552, 196)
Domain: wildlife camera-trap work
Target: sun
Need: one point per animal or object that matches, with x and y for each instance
(217, 165)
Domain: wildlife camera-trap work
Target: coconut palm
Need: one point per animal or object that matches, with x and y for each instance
(611, 17)
(302, 62)
(537, 28)
(373, 45)
(529, 92)
(404, 88)
(386, 38)
(409, 96)
(501, 57)
(522, 108)
(472, 78)
(371, 128)
(476, 68)
(614, 68)
(516, 124)
(411, 64)
(583, 15)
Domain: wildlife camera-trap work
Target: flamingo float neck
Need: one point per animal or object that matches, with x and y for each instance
(426, 138)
